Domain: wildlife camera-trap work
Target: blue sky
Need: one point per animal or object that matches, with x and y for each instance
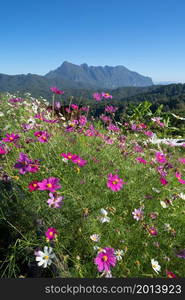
(145, 36)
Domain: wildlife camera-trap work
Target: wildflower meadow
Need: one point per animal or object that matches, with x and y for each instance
(89, 197)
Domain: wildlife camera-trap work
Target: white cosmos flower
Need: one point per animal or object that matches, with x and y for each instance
(163, 204)
(103, 212)
(119, 254)
(182, 196)
(155, 266)
(104, 219)
(45, 258)
(95, 237)
(156, 190)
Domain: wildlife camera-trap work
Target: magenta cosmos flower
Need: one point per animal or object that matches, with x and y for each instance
(42, 136)
(141, 160)
(163, 181)
(79, 161)
(106, 96)
(105, 259)
(68, 155)
(152, 231)
(2, 151)
(160, 157)
(11, 138)
(55, 201)
(51, 233)
(55, 90)
(111, 109)
(49, 184)
(114, 182)
(33, 186)
(97, 96)
(24, 164)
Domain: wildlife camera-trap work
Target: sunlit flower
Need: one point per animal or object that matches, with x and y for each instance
(51, 233)
(138, 214)
(105, 259)
(49, 184)
(114, 182)
(45, 258)
(152, 231)
(160, 157)
(55, 201)
(97, 96)
(170, 274)
(55, 90)
(163, 181)
(33, 186)
(95, 237)
(155, 266)
(11, 138)
(141, 160)
(119, 254)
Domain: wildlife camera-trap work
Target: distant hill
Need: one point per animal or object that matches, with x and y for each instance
(98, 77)
(69, 76)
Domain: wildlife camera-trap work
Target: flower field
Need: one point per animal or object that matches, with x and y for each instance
(85, 197)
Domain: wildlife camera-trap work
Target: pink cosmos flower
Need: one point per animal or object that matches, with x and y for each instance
(161, 171)
(152, 231)
(97, 96)
(2, 151)
(163, 181)
(56, 90)
(24, 164)
(82, 120)
(170, 274)
(138, 148)
(141, 160)
(111, 109)
(106, 96)
(157, 120)
(178, 176)
(153, 215)
(11, 138)
(182, 160)
(15, 100)
(105, 259)
(138, 214)
(33, 186)
(79, 161)
(55, 201)
(113, 127)
(51, 233)
(148, 133)
(74, 106)
(68, 156)
(49, 184)
(114, 182)
(42, 136)
(160, 157)
(105, 119)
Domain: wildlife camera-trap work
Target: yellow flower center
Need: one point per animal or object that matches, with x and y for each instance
(51, 233)
(115, 181)
(69, 156)
(105, 258)
(11, 138)
(49, 185)
(46, 257)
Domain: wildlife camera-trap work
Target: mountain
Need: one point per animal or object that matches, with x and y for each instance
(98, 77)
(74, 77)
